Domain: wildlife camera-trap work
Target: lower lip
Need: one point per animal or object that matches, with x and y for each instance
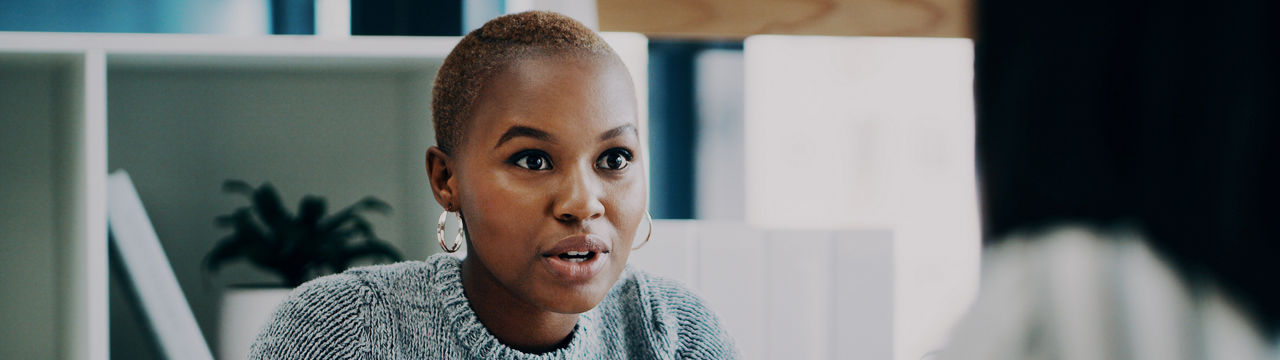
(576, 272)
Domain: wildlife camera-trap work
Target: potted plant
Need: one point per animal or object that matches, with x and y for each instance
(297, 247)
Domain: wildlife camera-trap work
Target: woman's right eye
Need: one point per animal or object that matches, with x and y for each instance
(532, 160)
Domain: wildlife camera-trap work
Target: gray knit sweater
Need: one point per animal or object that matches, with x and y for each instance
(417, 310)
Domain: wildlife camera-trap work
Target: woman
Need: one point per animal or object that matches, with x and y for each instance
(539, 156)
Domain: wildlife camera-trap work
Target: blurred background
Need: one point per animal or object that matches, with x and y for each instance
(790, 117)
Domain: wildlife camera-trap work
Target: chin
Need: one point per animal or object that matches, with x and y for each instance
(576, 307)
(579, 299)
(565, 286)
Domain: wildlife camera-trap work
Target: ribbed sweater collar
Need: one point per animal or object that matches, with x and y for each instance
(477, 339)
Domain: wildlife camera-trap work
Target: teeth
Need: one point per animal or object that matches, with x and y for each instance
(577, 260)
(577, 253)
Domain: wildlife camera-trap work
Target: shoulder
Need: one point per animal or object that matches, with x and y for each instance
(317, 320)
(403, 276)
(679, 315)
(335, 316)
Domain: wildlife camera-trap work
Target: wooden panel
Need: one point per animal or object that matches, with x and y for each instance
(740, 18)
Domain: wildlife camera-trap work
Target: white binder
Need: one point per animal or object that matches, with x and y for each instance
(136, 249)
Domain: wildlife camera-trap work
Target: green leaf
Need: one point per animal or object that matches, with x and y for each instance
(267, 202)
(311, 210)
(227, 249)
(374, 204)
(243, 214)
(238, 187)
(346, 215)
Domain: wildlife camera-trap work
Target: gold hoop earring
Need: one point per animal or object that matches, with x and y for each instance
(647, 236)
(457, 240)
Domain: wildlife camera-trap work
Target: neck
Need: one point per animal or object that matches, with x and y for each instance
(514, 321)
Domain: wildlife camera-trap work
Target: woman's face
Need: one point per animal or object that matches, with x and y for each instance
(550, 181)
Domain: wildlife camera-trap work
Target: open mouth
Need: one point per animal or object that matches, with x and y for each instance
(577, 256)
(576, 266)
(577, 259)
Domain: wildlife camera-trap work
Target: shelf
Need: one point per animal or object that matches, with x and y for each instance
(53, 258)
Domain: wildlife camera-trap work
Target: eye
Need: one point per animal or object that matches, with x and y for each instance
(614, 159)
(532, 160)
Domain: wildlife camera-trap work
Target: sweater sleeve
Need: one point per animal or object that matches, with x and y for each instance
(326, 318)
(700, 335)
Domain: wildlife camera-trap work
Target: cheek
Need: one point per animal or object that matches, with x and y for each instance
(630, 201)
(500, 213)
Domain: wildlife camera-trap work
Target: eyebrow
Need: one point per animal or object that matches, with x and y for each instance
(523, 131)
(618, 131)
(516, 131)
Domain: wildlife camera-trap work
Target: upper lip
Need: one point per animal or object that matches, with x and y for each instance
(578, 242)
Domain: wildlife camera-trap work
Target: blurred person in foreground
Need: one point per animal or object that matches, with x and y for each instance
(1078, 292)
(1127, 163)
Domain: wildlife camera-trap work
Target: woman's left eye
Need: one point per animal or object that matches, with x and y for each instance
(614, 159)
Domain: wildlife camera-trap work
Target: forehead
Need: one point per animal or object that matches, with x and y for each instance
(561, 94)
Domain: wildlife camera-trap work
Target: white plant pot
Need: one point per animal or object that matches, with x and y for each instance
(244, 311)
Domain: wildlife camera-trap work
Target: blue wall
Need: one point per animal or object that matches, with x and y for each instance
(136, 16)
(673, 125)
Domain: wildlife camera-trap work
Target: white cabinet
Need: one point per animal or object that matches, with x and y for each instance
(341, 118)
(785, 293)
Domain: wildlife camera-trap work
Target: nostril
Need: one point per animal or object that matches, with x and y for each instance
(566, 217)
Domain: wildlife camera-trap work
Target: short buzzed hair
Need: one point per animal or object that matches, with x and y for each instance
(492, 48)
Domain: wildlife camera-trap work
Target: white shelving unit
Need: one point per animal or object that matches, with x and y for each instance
(342, 118)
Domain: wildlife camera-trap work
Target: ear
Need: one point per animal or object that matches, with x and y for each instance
(441, 175)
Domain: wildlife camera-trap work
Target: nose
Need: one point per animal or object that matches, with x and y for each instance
(579, 198)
